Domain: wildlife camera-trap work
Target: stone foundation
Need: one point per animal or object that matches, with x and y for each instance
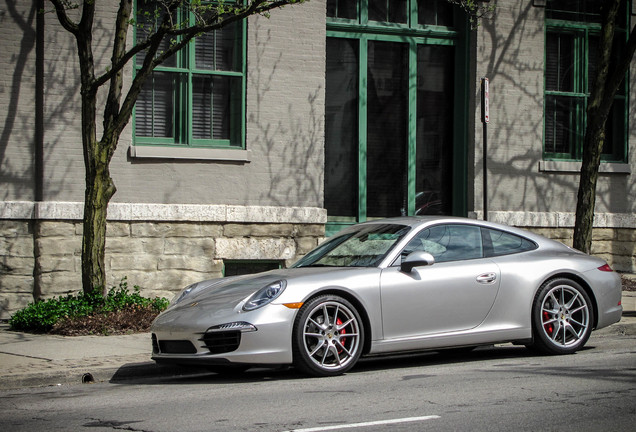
(42, 258)
(17, 265)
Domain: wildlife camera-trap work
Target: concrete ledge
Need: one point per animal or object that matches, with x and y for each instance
(53, 210)
(575, 167)
(556, 219)
(212, 154)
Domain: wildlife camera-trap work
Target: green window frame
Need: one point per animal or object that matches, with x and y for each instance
(428, 23)
(572, 32)
(196, 99)
(397, 14)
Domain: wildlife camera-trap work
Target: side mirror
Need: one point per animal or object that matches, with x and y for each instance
(416, 259)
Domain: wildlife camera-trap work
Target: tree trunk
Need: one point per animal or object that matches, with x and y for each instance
(594, 140)
(599, 105)
(99, 190)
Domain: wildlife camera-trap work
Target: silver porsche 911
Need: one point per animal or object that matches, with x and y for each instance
(389, 286)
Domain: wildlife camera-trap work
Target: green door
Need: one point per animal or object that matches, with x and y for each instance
(392, 124)
(396, 110)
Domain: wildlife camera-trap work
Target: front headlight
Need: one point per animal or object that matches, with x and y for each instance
(265, 295)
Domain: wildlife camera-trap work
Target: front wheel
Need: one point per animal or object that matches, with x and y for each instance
(561, 317)
(328, 336)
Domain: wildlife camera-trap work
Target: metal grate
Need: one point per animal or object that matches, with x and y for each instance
(177, 347)
(222, 342)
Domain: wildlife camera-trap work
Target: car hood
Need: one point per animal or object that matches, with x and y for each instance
(219, 300)
(230, 291)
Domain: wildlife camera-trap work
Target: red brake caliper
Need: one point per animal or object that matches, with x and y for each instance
(343, 341)
(548, 327)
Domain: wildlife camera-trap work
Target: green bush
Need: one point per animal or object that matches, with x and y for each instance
(41, 316)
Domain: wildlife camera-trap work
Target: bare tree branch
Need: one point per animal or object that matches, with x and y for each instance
(60, 9)
(208, 22)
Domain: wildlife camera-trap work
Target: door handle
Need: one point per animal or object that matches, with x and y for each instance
(487, 278)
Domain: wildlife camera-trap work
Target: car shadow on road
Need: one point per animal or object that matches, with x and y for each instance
(152, 374)
(149, 373)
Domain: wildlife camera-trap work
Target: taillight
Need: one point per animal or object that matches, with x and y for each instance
(605, 268)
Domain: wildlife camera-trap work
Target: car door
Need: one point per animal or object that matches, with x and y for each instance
(454, 294)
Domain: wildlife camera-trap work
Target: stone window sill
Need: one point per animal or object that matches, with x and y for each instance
(212, 154)
(575, 167)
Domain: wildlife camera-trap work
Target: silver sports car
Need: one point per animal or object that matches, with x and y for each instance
(389, 286)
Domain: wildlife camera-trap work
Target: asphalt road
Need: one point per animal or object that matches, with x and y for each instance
(498, 388)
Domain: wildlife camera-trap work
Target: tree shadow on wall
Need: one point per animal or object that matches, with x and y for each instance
(291, 142)
(17, 130)
(63, 164)
(515, 142)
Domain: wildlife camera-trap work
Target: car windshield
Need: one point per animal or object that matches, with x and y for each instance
(365, 246)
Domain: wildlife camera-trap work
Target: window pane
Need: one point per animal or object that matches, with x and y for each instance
(614, 146)
(575, 10)
(434, 154)
(618, 48)
(559, 75)
(219, 49)
(393, 11)
(448, 243)
(563, 114)
(387, 121)
(154, 115)
(147, 23)
(502, 243)
(434, 12)
(364, 247)
(592, 61)
(341, 128)
(342, 9)
(213, 107)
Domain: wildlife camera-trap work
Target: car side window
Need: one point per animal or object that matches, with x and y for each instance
(499, 243)
(448, 243)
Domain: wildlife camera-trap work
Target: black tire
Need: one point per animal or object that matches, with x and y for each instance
(562, 317)
(331, 346)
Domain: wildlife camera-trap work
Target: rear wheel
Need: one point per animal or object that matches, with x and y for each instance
(561, 317)
(328, 336)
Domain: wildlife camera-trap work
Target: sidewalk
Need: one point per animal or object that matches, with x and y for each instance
(30, 360)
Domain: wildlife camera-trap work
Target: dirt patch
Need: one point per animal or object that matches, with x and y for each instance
(629, 282)
(127, 321)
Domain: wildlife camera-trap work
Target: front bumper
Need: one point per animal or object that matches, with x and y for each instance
(184, 339)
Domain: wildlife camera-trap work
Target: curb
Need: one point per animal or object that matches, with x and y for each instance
(114, 375)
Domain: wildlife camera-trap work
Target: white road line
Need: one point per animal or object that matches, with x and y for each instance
(372, 423)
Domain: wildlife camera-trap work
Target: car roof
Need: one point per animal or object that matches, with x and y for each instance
(430, 220)
(421, 221)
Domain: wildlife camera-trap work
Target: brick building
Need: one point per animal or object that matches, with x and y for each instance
(253, 144)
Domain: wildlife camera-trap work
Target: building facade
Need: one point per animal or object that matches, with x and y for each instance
(256, 141)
